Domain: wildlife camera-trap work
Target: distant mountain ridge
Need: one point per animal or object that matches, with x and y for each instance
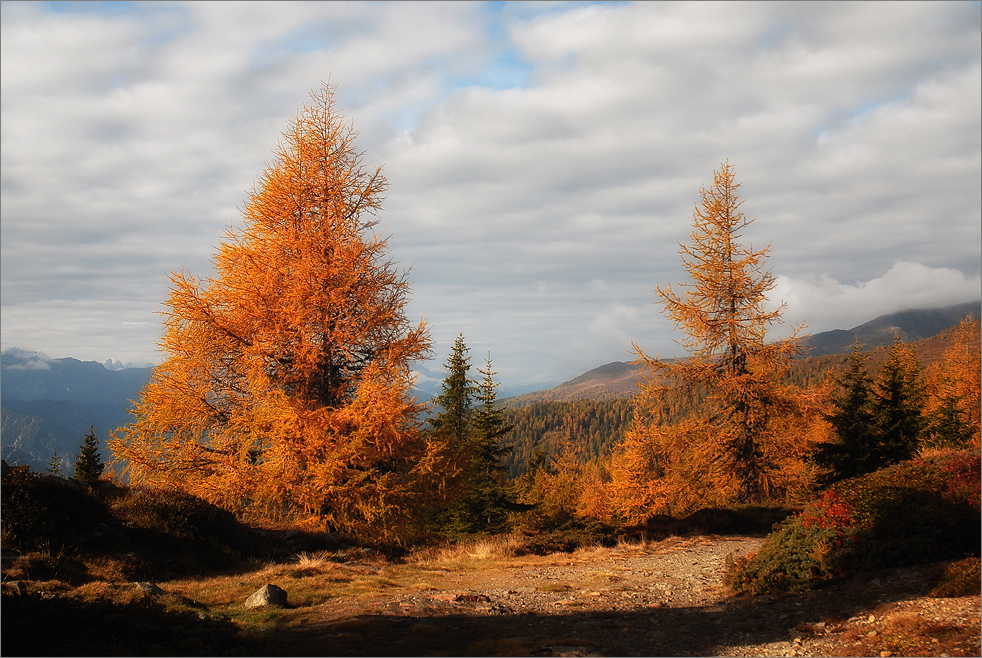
(911, 325)
(49, 404)
(621, 379)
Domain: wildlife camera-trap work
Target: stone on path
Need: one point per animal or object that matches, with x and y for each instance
(268, 594)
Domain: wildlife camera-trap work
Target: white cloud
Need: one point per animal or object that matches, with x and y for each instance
(533, 150)
(825, 304)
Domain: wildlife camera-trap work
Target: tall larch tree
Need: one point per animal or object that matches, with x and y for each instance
(713, 427)
(286, 387)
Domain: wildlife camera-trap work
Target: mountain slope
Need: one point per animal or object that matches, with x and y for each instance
(49, 404)
(620, 379)
(911, 325)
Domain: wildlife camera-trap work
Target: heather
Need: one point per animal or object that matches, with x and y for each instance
(915, 512)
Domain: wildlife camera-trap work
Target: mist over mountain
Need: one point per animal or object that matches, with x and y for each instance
(911, 325)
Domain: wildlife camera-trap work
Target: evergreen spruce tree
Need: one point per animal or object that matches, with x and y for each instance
(853, 451)
(946, 425)
(473, 433)
(451, 427)
(88, 464)
(453, 422)
(899, 402)
(876, 424)
(485, 494)
(54, 466)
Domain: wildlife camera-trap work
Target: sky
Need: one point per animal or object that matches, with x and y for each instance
(543, 159)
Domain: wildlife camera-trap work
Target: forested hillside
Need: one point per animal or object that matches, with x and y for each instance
(595, 426)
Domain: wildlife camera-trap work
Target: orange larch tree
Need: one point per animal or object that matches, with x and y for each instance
(712, 428)
(286, 388)
(954, 390)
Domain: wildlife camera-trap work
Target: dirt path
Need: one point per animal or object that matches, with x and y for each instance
(655, 600)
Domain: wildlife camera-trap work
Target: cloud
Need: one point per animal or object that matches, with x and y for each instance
(825, 303)
(533, 150)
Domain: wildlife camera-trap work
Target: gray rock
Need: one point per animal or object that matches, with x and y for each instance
(17, 586)
(150, 589)
(267, 595)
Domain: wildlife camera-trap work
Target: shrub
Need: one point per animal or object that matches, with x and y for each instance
(961, 578)
(102, 627)
(556, 534)
(178, 514)
(42, 512)
(739, 520)
(916, 512)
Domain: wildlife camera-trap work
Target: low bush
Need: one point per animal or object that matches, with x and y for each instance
(42, 512)
(740, 520)
(916, 512)
(178, 514)
(961, 578)
(544, 534)
(39, 625)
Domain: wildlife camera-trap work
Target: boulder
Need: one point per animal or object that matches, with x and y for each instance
(267, 595)
(149, 589)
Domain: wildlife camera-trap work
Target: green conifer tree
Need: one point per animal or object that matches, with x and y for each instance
(453, 422)
(474, 433)
(875, 423)
(852, 453)
(88, 464)
(899, 405)
(946, 425)
(54, 466)
(485, 495)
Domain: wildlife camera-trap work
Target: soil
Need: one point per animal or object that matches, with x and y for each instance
(664, 599)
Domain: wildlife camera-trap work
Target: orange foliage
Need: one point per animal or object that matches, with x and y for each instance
(286, 386)
(957, 376)
(719, 426)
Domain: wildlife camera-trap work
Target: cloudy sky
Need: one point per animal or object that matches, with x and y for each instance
(543, 159)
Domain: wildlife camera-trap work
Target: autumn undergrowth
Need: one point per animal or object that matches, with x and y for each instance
(916, 512)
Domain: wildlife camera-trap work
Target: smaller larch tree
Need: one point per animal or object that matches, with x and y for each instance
(713, 427)
(88, 464)
(952, 409)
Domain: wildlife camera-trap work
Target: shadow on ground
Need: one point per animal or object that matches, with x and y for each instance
(417, 631)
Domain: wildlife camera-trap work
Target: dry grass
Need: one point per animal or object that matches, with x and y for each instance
(478, 555)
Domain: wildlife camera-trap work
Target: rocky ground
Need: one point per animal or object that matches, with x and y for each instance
(663, 599)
